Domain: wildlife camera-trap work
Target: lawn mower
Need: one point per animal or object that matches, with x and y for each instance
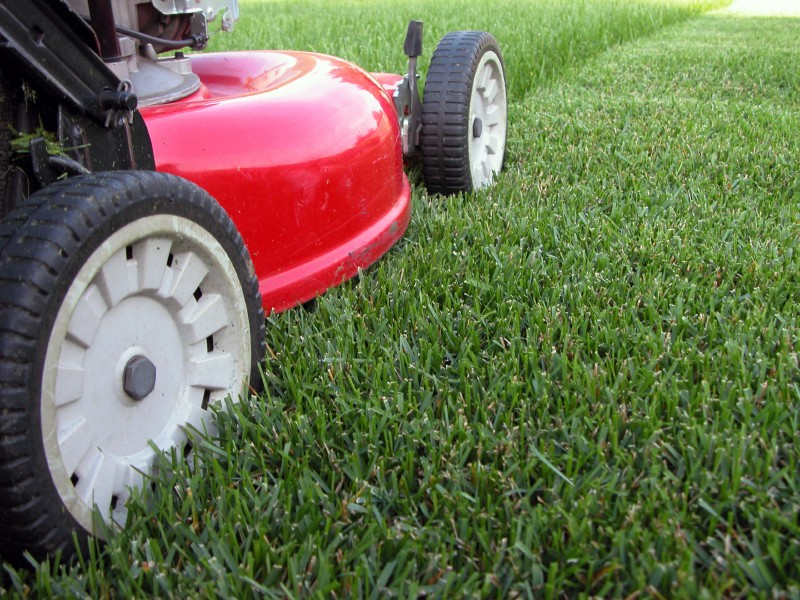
(156, 202)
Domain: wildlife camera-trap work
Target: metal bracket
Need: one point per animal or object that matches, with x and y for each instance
(40, 162)
(406, 96)
(48, 168)
(199, 27)
(119, 103)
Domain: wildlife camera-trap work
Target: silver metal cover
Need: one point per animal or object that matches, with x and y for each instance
(211, 8)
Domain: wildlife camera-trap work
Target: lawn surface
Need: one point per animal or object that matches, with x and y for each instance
(583, 381)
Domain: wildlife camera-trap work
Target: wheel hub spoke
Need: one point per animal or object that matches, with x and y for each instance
(151, 256)
(188, 271)
(212, 371)
(208, 317)
(489, 91)
(69, 384)
(112, 281)
(86, 318)
(74, 441)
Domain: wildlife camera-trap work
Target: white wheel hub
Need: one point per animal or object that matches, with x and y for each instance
(487, 121)
(158, 301)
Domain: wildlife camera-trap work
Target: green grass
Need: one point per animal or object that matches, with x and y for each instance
(583, 381)
(540, 38)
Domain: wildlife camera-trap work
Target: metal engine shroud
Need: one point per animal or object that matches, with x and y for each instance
(155, 79)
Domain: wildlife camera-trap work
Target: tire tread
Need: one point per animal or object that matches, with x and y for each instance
(445, 110)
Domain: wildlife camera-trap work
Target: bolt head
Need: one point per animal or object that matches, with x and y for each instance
(139, 378)
(477, 128)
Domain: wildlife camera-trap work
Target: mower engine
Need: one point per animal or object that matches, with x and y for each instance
(132, 34)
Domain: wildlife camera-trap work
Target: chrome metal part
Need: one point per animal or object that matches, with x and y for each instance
(164, 80)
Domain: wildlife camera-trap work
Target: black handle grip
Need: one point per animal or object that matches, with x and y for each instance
(413, 43)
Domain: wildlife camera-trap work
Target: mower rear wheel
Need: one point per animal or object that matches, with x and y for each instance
(131, 306)
(464, 113)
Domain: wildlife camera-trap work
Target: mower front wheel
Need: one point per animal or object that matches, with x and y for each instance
(131, 306)
(464, 113)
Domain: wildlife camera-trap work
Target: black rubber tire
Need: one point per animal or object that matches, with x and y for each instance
(45, 243)
(6, 119)
(447, 110)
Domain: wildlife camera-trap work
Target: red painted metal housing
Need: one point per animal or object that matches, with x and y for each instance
(303, 151)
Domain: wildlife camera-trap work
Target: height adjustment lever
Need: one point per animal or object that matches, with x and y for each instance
(406, 96)
(413, 44)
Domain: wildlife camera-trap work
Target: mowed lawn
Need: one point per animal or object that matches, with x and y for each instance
(581, 382)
